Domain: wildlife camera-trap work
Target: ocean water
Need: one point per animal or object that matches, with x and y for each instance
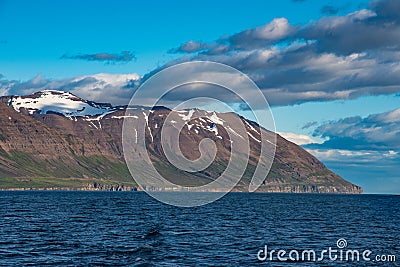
(132, 229)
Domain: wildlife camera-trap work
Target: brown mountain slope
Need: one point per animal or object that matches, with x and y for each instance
(54, 151)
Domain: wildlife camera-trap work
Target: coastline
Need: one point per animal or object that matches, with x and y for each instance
(355, 190)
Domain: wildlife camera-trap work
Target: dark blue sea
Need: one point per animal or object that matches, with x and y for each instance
(131, 229)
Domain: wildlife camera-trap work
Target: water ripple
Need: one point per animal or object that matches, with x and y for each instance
(131, 229)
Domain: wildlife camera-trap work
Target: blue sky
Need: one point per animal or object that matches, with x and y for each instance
(348, 66)
(35, 34)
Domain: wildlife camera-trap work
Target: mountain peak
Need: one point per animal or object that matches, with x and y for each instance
(55, 101)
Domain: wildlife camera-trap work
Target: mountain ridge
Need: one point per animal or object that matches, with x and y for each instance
(45, 148)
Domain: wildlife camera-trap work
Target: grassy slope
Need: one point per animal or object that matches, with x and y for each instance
(22, 170)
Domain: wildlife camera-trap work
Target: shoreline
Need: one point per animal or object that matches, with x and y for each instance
(133, 189)
(122, 187)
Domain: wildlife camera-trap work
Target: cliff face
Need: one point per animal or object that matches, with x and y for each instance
(84, 151)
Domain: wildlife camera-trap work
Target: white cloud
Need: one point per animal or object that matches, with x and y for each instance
(336, 57)
(278, 28)
(374, 132)
(299, 139)
(110, 88)
(359, 156)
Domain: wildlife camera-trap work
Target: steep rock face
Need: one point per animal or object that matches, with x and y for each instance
(50, 147)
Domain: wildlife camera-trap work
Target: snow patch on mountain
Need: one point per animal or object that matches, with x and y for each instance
(215, 119)
(52, 101)
(188, 116)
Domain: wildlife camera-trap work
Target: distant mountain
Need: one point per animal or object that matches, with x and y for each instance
(54, 139)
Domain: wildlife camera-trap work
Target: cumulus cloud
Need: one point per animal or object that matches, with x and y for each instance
(362, 148)
(336, 57)
(278, 29)
(379, 132)
(367, 150)
(116, 89)
(123, 57)
(354, 157)
(299, 139)
(189, 47)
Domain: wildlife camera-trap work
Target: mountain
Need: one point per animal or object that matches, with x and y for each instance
(63, 103)
(54, 139)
